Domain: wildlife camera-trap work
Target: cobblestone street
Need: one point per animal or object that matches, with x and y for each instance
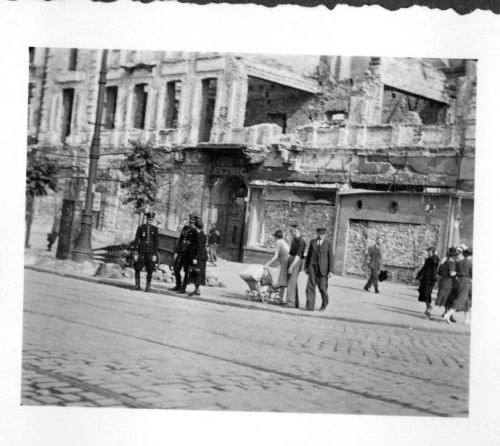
(87, 344)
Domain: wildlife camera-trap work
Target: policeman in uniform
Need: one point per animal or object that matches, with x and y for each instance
(146, 245)
(182, 254)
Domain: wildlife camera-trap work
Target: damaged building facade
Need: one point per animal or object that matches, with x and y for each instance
(253, 143)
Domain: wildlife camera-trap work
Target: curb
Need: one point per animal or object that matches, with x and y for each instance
(248, 306)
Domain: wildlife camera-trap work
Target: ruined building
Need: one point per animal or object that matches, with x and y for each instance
(253, 143)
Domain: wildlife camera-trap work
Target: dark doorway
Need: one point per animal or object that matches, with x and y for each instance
(228, 210)
(208, 94)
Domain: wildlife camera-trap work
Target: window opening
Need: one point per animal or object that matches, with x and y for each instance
(140, 103)
(173, 101)
(279, 119)
(110, 107)
(73, 59)
(209, 94)
(68, 99)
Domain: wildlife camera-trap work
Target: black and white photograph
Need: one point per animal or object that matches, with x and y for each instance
(231, 224)
(249, 232)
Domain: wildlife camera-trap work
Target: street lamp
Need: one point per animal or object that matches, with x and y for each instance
(83, 250)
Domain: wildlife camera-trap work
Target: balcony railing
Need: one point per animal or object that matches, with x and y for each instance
(351, 136)
(312, 136)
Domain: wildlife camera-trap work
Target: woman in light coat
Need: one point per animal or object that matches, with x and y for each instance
(281, 254)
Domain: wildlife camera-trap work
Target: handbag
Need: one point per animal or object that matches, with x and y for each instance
(382, 275)
(194, 271)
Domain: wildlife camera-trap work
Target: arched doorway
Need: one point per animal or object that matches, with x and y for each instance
(228, 213)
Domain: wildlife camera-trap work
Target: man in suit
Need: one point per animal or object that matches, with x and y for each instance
(374, 262)
(146, 245)
(182, 259)
(319, 268)
(198, 255)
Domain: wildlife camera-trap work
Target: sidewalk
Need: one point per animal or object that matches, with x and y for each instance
(395, 306)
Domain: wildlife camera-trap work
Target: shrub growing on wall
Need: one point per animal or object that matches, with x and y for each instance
(41, 176)
(141, 170)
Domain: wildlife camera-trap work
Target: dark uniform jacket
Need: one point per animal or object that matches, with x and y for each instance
(320, 255)
(186, 240)
(146, 239)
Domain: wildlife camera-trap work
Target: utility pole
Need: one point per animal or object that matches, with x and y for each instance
(83, 250)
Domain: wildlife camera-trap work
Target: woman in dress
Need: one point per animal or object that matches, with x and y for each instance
(447, 288)
(464, 288)
(427, 277)
(281, 254)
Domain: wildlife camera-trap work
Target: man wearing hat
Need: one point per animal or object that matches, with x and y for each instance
(182, 254)
(319, 268)
(146, 245)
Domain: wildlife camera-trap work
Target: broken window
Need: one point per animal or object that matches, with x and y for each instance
(73, 59)
(31, 88)
(140, 103)
(335, 115)
(68, 98)
(279, 119)
(208, 94)
(172, 106)
(271, 102)
(110, 107)
(399, 106)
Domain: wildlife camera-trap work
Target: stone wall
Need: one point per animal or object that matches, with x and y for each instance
(406, 230)
(403, 247)
(302, 211)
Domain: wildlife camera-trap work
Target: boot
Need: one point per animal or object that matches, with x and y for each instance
(137, 281)
(148, 285)
(376, 290)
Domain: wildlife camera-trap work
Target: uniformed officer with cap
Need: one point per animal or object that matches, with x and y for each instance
(146, 245)
(182, 254)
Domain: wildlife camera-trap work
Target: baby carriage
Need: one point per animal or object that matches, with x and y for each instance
(260, 282)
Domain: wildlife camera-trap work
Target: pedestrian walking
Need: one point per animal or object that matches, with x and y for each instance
(463, 300)
(54, 233)
(198, 256)
(427, 277)
(281, 254)
(296, 255)
(319, 268)
(182, 251)
(213, 242)
(447, 282)
(374, 262)
(146, 250)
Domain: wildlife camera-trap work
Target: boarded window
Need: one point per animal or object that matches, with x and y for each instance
(172, 105)
(68, 99)
(140, 103)
(110, 107)
(73, 59)
(208, 93)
